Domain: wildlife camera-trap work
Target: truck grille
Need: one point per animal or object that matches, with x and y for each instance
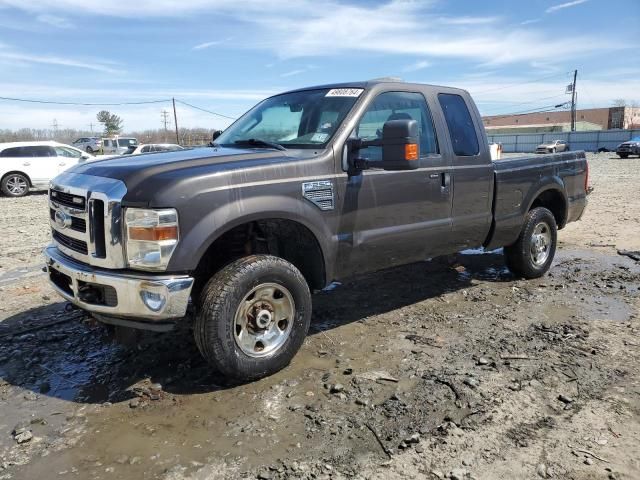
(72, 243)
(77, 224)
(67, 199)
(85, 216)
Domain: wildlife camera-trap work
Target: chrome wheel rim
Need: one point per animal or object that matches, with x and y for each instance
(16, 185)
(264, 320)
(540, 244)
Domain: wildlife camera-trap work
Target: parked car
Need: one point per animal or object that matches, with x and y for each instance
(156, 147)
(353, 178)
(25, 165)
(632, 147)
(88, 144)
(119, 146)
(553, 147)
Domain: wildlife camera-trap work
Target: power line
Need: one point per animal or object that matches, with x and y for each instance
(533, 101)
(546, 109)
(83, 104)
(522, 83)
(205, 110)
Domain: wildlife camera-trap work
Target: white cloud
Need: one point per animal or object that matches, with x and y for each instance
(292, 73)
(467, 20)
(530, 21)
(298, 71)
(27, 58)
(54, 21)
(414, 67)
(328, 27)
(560, 6)
(204, 45)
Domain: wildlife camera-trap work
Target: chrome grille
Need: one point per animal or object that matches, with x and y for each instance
(72, 243)
(85, 218)
(77, 224)
(67, 199)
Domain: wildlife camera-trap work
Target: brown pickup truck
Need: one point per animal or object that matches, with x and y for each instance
(309, 186)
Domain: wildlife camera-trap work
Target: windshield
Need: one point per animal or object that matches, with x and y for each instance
(127, 142)
(306, 119)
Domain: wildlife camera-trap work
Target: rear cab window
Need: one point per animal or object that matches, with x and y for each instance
(462, 131)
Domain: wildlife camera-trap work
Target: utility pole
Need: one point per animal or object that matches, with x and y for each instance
(55, 128)
(573, 101)
(165, 119)
(91, 127)
(175, 120)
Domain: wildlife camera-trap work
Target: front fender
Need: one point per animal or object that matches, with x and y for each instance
(231, 213)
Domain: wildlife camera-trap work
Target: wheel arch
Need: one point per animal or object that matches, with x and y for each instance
(554, 198)
(276, 234)
(19, 172)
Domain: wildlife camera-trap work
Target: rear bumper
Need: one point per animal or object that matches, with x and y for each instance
(155, 298)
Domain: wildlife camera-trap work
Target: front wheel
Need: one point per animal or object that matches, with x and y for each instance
(15, 185)
(531, 255)
(252, 317)
(623, 155)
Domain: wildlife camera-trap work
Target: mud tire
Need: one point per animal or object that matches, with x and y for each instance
(518, 256)
(218, 303)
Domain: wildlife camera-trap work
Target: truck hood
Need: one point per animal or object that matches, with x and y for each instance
(142, 174)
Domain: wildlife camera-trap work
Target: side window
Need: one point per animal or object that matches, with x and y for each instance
(41, 151)
(67, 152)
(146, 149)
(397, 106)
(12, 152)
(461, 128)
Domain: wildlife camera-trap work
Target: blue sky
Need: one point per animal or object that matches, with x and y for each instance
(225, 55)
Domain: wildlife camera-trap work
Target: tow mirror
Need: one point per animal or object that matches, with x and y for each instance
(400, 144)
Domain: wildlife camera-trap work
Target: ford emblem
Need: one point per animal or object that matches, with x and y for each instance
(62, 219)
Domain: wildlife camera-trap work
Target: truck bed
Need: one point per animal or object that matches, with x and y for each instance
(520, 180)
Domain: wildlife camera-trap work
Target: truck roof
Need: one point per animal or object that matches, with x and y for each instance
(368, 84)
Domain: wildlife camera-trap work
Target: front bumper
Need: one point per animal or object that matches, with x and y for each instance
(117, 293)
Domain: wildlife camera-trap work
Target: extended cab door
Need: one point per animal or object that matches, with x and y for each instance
(472, 171)
(394, 217)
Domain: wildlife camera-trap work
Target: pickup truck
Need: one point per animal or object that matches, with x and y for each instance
(309, 186)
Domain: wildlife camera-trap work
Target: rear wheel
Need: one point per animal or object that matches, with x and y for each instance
(531, 255)
(89, 149)
(15, 185)
(623, 155)
(253, 316)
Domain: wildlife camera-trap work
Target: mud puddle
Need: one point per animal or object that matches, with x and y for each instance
(404, 361)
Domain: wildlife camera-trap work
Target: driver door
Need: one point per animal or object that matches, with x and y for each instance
(394, 217)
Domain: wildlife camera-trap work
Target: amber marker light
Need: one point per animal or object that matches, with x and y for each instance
(411, 151)
(154, 234)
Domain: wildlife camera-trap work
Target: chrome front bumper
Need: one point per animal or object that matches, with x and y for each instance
(117, 293)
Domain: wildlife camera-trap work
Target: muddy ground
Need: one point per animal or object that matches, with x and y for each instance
(444, 369)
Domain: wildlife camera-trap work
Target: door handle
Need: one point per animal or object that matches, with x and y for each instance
(26, 164)
(62, 164)
(445, 181)
(434, 175)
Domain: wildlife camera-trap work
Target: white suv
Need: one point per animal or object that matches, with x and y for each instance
(25, 165)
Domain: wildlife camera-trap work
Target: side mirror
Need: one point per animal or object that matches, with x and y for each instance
(84, 156)
(400, 144)
(216, 134)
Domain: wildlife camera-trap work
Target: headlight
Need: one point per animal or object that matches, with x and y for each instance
(152, 236)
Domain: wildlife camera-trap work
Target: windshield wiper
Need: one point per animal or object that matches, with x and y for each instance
(256, 142)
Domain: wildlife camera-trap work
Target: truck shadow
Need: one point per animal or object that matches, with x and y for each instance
(52, 351)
